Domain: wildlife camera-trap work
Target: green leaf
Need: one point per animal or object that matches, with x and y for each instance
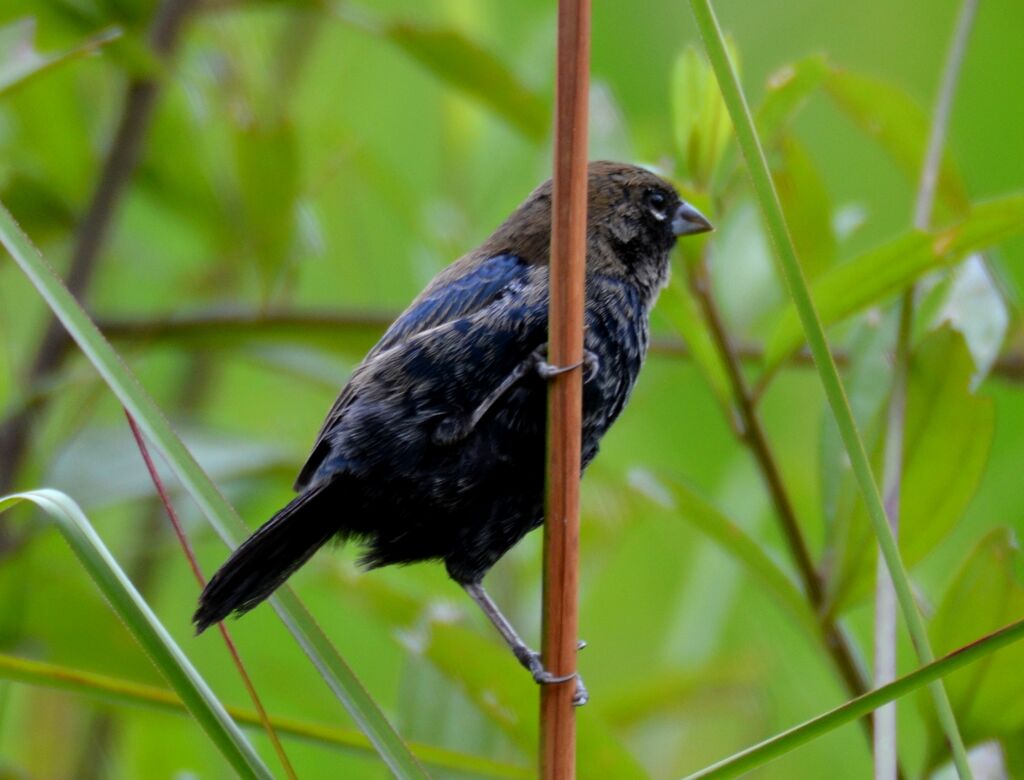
(948, 433)
(147, 629)
(221, 516)
(806, 204)
(127, 692)
(890, 116)
(707, 519)
(871, 277)
(986, 593)
(789, 88)
(701, 123)
(20, 62)
(466, 66)
(267, 167)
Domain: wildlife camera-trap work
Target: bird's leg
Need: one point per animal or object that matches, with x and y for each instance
(590, 364)
(527, 657)
(456, 427)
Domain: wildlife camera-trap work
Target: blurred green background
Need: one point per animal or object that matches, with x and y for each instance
(330, 159)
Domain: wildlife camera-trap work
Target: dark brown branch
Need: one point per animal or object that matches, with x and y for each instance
(753, 436)
(300, 325)
(115, 174)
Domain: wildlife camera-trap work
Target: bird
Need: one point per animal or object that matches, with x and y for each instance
(435, 448)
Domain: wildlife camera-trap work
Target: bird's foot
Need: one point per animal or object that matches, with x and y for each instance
(591, 364)
(531, 661)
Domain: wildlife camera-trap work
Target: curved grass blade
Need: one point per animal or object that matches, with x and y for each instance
(746, 136)
(221, 516)
(154, 639)
(777, 746)
(126, 692)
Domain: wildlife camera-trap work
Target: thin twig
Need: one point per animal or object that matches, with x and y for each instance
(193, 563)
(118, 167)
(565, 399)
(885, 750)
(753, 436)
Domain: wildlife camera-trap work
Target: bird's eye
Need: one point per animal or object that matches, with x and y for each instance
(657, 203)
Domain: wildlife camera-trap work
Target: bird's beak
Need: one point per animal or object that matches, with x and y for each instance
(688, 221)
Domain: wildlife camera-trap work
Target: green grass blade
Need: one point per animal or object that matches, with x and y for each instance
(768, 199)
(154, 639)
(215, 508)
(127, 692)
(779, 745)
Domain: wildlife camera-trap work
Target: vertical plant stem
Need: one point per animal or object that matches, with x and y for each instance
(754, 437)
(117, 170)
(193, 563)
(565, 400)
(885, 740)
(771, 209)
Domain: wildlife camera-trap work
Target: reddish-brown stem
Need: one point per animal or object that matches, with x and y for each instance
(565, 348)
(193, 563)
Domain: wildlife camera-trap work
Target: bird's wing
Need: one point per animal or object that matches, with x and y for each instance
(444, 301)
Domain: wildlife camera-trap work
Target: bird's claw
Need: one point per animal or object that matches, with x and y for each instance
(542, 676)
(547, 370)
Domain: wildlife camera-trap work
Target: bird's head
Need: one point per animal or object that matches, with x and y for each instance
(633, 220)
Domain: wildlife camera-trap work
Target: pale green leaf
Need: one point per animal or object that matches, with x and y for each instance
(881, 272)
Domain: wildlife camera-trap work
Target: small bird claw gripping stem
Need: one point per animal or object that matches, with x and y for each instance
(590, 364)
(542, 676)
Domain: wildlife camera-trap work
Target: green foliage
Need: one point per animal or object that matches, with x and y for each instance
(307, 167)
(146, 628)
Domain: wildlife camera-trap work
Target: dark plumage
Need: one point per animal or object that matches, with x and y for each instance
(435, 447)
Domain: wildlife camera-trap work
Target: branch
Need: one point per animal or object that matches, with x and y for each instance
(753, 436)
(299, 325)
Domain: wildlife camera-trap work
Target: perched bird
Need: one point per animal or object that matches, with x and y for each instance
(435, 448)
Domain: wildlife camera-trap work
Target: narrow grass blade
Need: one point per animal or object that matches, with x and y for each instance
(221, 516)
(154, 639)
(779, 745)
(126, 692)
(768, 199)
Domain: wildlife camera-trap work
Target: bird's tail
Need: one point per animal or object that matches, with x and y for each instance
(267, 558)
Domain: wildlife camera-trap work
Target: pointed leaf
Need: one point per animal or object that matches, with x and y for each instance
(871, 277)
(947, 437)
(889, 115)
